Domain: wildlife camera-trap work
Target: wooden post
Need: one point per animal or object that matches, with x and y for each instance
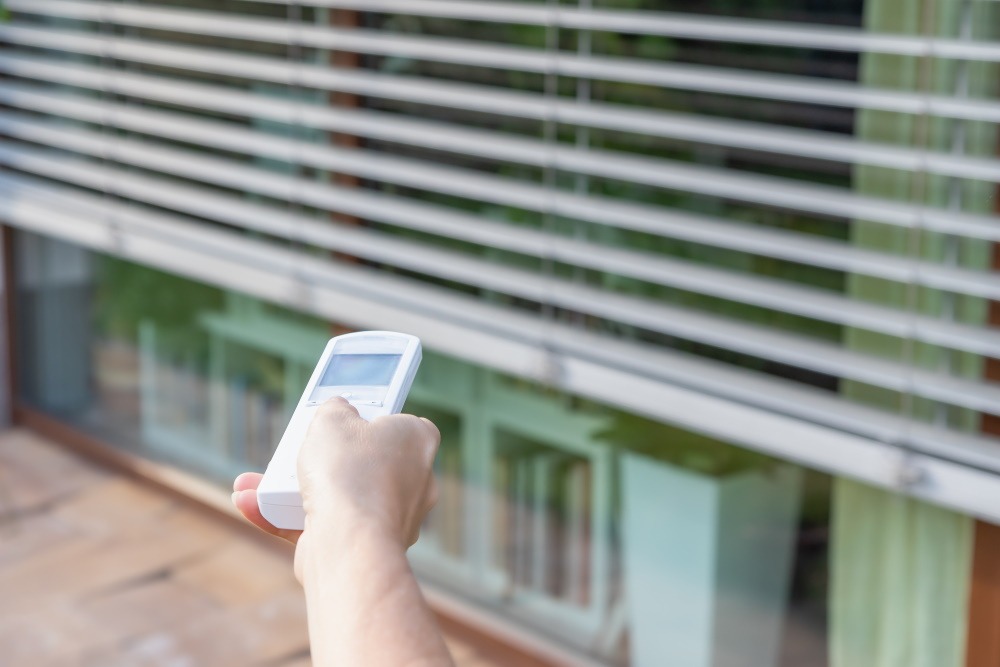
(983, 642)
(344, 19)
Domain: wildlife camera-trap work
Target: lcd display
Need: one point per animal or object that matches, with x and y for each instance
(360, 370)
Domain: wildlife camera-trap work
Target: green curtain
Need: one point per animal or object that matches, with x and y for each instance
(900, 573)
(900, 568)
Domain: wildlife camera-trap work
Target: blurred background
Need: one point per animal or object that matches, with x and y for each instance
(708, 294)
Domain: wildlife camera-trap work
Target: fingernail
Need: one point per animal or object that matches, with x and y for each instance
(235, 493)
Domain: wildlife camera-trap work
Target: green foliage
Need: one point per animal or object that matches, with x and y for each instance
(129, 294)
(257, 371)
(678, 447)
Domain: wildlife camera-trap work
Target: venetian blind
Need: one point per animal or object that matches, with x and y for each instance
(778, 233)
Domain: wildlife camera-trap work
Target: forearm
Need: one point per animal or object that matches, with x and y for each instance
(364, 605)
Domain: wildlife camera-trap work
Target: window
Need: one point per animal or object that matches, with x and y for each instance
(747, 250)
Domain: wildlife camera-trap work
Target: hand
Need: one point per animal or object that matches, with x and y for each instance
(351, 471)
(379, 473)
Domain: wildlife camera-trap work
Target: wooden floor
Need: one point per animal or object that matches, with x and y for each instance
(97, 570)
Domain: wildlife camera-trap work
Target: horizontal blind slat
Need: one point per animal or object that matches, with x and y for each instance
(686, 77)
(727, 334)
(182, 240)
(979, 283)
(427, 175)
(737, 134)
(678, 25)
(700, 229)
(762, 292)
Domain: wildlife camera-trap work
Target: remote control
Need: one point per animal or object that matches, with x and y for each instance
(373, 370)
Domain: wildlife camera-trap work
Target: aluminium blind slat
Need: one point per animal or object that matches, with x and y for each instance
(878, 423)
(737, 134)
(682, 26)
(831, 450)
(686, 77)
(760, 189)
(678, 274)
(681, 225)
(706, 377)
(803, 303)
(708, 329)
(782, 397)
(279, 264)
(750, 340)
(766, 190)
(239, 139)
(735, 383)
(978, 283)
(702, 229)
(723, 380)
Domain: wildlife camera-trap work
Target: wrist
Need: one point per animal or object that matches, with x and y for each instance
(340, 516)
(337, 540)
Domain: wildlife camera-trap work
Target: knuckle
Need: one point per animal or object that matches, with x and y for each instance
(329, 408)
(431, 428)
(379, 423)
(335, 407)
(415, 428)
(408, 420)
(432, 441)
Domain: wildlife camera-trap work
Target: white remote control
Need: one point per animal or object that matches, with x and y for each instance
(373, 370)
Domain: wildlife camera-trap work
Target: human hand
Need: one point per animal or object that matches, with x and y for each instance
(351, 472)
(366, 488)
(379, 473)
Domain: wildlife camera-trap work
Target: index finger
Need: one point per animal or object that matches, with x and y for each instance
(338, 407)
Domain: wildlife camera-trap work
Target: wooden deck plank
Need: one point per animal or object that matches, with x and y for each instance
(217, 639)
(99, 570)
(147, 607)
(239, 574)
(102, 562)
(35, 473)
(21, 539)
(50, 634)
(113, 504)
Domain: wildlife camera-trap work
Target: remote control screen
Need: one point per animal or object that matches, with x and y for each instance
(371, 370)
